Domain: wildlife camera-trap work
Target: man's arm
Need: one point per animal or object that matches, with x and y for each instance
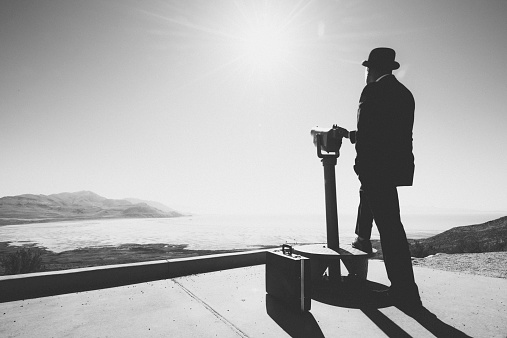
(352, 136)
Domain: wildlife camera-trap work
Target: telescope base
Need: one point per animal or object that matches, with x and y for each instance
(322, 257)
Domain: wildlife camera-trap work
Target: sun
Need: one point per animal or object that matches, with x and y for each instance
(265, 46)
(258, 41)
(267, 35)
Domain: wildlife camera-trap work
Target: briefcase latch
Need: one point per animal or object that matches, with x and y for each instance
(289, 249)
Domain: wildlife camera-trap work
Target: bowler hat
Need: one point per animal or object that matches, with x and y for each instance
(382, 58)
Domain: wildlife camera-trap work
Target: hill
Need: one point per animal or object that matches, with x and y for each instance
(31, 208)
(154, 204)
(485, 237)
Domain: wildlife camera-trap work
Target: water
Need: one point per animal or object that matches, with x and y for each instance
(212, 232)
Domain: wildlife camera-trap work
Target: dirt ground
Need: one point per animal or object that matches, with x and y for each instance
(489, 264)
(108, 255)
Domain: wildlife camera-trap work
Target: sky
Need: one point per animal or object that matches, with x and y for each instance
(207, 106)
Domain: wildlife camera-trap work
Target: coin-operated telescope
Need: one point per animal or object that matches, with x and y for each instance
(329, 141)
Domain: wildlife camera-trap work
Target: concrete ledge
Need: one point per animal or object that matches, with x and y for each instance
(42, 284)
(193, 265)
(34, 285)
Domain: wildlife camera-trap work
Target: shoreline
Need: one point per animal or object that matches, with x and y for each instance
(26, 221)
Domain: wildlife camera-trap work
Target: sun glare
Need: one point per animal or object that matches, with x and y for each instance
(264, 46)
(267, 38)
(258, 40)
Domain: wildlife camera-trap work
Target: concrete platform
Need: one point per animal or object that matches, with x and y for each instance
(233, 303)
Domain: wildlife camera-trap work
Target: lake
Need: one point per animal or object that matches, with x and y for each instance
(213, 232)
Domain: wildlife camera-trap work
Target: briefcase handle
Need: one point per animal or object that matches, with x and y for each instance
(287, 246)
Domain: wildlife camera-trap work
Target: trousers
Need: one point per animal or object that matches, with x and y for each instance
(380, 203)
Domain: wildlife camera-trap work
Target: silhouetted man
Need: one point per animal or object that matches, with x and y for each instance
(384, 161)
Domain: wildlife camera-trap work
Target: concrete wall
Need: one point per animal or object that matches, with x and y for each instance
(33, 285)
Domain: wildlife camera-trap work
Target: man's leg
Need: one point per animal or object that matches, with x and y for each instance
(364, 221)
(364, 224)
(384, 205)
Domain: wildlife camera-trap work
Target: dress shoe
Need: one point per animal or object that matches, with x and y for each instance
(363, 245)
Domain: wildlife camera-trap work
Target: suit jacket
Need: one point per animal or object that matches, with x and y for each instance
(383, 139)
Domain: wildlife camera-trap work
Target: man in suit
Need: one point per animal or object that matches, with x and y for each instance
(384, 161)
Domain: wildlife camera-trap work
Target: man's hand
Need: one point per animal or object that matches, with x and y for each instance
(339, 132)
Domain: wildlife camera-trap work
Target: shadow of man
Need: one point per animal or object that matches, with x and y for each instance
(354, 293)
(434, 325)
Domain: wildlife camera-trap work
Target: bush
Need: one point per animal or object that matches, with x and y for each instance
(22, 261)
(419, 250)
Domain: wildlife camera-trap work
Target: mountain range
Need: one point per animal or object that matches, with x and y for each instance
(29, 208)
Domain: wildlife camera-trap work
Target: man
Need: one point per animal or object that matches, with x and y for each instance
(384, 161)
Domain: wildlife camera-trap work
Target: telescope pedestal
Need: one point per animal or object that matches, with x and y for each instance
(328, 256)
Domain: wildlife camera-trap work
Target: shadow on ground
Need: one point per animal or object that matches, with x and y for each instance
(294, 323)
(353, 293)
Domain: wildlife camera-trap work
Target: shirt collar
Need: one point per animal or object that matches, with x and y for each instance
(383, 76)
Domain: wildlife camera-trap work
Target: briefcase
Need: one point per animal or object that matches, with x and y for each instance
(288, 278)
